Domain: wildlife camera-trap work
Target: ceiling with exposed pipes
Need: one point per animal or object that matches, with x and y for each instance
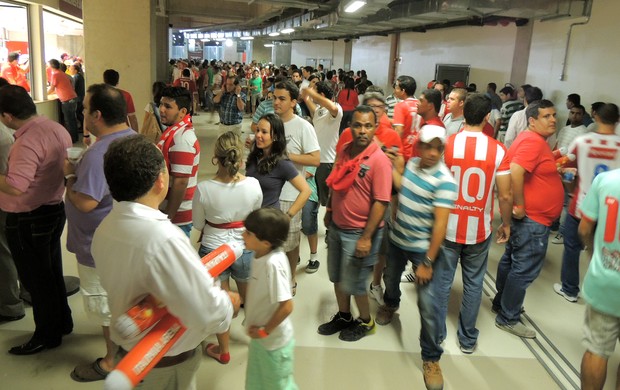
(327, 19)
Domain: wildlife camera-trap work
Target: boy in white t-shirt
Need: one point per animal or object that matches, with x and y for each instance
(269, 303)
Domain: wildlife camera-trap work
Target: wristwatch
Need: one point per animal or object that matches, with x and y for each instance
(427, 262)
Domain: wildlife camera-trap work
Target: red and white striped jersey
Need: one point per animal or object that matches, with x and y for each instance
(595, 153)
(474, 159)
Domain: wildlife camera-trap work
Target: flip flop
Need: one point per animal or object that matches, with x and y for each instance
(222, 358)
(89, 372)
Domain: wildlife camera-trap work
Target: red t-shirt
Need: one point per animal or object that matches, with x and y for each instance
(386, 136)
(131, 109)
(542, 187)
(406, 115)
(348, 99)
(186, 83)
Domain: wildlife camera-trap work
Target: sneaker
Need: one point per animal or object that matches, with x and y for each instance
(312, 266)
(558, 239)
(557, 287)
(407, 277)
(358, 330)
(376, 293)
(518, 329)
(433, 378)
(385, 314)
(465, 350)
(335, 325)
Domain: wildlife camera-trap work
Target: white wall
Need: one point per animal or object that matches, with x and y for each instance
(488, 50)
(373, 55)
(333, 50)
(592, 64)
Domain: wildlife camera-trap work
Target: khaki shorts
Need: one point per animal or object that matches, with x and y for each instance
(94, 296)
(600, 332)
(294, 231)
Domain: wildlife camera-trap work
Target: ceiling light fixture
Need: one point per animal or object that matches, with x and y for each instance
(229, 42)
(274, 34)
(246, 38)
(354, 5)
(269, 45)
(287, 30)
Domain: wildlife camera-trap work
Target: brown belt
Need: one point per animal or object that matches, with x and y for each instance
(168, 361)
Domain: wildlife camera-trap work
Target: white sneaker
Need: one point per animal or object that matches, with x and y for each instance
(407, 277)
(557, 287)
(376, 293)
(558, 239)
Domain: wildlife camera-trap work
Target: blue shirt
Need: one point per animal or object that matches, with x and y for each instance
(421, 190)
(229, 112)
(601, 286)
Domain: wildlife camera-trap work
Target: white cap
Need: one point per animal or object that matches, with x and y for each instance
(430, 132)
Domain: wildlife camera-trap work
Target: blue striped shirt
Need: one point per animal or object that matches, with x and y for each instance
(421, 190)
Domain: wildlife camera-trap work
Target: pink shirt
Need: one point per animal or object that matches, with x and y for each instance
(352, 208)
(35, 165)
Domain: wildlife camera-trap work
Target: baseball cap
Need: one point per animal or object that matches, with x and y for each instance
(459, 84)
(430, 132)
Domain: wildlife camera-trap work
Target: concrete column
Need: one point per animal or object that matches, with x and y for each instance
(38, 84)
(119, 34)
(348, 51)
(521, 54)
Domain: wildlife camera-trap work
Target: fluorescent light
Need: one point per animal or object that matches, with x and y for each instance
(246, 38)
(274, 34)
(229, 42)
(269, 45)
(354, 6)
(287, 30)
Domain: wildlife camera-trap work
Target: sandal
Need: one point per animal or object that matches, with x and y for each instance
(222, 358)
(294, 289)
(89, 372)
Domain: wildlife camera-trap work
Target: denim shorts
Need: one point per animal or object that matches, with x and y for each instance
(239, 270)
(600, 332)
(343, 267)
(309, 218)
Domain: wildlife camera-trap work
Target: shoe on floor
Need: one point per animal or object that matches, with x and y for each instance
(11, 318)
(557, 287)
(335, 325)
(407, 277)
(358, 330)
(433, 378)
(213, 350)
(376, 293)
(465, 350)
(558, 239)
(518, 329)
(385, 314)
(312, 266)
(33, 346)
(90, 372)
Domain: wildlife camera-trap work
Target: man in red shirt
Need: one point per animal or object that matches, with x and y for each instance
(186, 82)
(111, 77)
(14, 73)
(60, 84)
(429, 106)
(477, 163)
(538, 195)
(406, 120)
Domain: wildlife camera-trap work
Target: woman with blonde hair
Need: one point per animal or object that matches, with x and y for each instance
(220, 223)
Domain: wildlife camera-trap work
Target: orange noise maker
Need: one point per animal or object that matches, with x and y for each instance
(166, 331)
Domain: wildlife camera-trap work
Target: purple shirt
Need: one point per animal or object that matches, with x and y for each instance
(35, 165)
(90, 181)
(272, 183)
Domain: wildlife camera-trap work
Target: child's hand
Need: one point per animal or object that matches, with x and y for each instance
(235, 299)
(254, 333)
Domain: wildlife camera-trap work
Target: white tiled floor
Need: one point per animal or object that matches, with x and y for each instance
(389, 359)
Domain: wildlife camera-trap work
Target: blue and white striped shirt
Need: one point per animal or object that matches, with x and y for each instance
(421, 191)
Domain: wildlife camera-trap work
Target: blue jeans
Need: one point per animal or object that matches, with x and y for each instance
(473, 266)
(239, 270)
(570, 257)
(34, 240)
(309, 218)
(427, 297)
(187, 229)
(342, 265)
(519, 267)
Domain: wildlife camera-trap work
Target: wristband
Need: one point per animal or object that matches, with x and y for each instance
(262, 333)
(70, 176)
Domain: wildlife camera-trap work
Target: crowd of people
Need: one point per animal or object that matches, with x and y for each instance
(408, 182)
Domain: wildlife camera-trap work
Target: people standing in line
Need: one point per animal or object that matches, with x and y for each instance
(510, 105)
(112, 77)
(87, 202)
(598, 230)
(426, 195)
(269, 304)
(15, 73)
(406, 120)
(533, 172)
(60, 85)
(479, 164)
(181, 151)
(75, 70)
(221, 224)
(31, 193)
(360, 189)
(139, 252)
